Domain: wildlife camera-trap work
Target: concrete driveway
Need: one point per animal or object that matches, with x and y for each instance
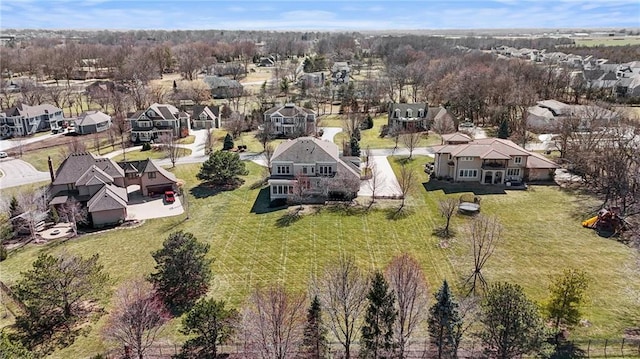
(18, 172)
(328, 133)
(147, 208)
(385, 181)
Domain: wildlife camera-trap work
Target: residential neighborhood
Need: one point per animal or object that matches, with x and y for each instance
(319, 180)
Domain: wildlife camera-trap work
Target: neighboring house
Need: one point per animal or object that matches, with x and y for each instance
(222, 87)
(158, 119)
(101, 184)
(627, 87)
(308, 169)
(24, 120)
(266, 62)
(203, 117)
(92, 122)
(489, 161)
(439, 113)
(547, 115)
(151, 178)
(408, 116)
(290, 120)
(340, 73)
(312, 79)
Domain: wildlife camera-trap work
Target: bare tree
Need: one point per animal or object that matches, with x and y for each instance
(411, 141)
(374, 179)
(75, 145)
(33, 210)
(170, 147)
(274, 322)
(443, 125)
(74, 212)
(484, 234)
(342, 290)
(235, 124)
(137, 318)
(209, 141)
(447, 207)
(406, 182)
(267, 154)
(409, 284)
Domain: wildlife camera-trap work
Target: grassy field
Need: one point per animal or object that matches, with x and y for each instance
(253, 245)
(608, 41)
(154, 154)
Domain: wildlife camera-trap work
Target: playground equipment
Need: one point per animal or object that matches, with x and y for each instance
(608, 222)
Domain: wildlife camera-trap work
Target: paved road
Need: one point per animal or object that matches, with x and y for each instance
(18, 172)
(9, 144)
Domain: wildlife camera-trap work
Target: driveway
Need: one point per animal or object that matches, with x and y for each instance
(385, 181)
(18, 172)
(328, 133)
(147, 208)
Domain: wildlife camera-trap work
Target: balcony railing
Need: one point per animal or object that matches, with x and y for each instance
(494, 165)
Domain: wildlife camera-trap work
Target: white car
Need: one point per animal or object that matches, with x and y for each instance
(3, 155)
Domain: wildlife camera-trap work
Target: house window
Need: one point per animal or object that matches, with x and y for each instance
(131, 175)
(513, 172)
(282, 169)
(151, 175)
(396, 113)
(468, 173)
(466, 158)
(450, 157)
(326, 170)
(421, 112)
(409, 113)
(304, 170)
(517, 160)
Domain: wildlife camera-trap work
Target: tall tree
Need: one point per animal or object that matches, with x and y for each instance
(447, 207)
(567, 294)
(74, 212)
(411, 140)
(511, 323)
(274, 322)
(409, 284)
(379, 319)
(183, 271)
(137, 318)
(55, 293)
(171, 148)
(228, 142)
(314, 342)
(406, 183)
(445, 323)
(212, 324)
(342, 291)
(223, 168)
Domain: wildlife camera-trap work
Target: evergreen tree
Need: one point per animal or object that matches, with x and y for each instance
(314, 342)
(183, 271)
(567, 294)
(368, 122)
(212, 324)
(228, 143)
(14, 207)
(503, 130)
(355, 147)
(222, 168)
(377, 331)
(445, 324)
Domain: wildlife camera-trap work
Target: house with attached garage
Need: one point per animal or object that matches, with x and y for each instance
(25, 120)
(290, 120)
(308, 169)
(489, 161)
(408, 116)
(203, 117)
(92, 122)
(100, 184)
(157, 120)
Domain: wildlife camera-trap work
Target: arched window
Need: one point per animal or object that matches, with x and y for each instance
(397, 113)
(409, 112)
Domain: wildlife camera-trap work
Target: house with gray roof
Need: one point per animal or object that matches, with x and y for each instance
(222, 87)
(340, 72)
(411, 117)
(547, 115)
(151, 178)
(308, 169)
(489, 161)
(25, 120)
(203, 117)
(290, 120)
(92, 122)
(157, 120)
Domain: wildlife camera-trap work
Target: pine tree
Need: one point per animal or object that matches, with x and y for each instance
(445, 324)
(377, 331)
(503, 130)
(228, 142)
(314, 343)
(355, 147)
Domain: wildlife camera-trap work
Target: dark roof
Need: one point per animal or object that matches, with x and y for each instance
(145, 166)
(92, 118)
(76, 164)
(108, 198)
(164, 111)
(403, 107)
(290, 110)
(215, 82)
(198, 109)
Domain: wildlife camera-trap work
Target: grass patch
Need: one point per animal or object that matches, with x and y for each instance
(155, 154)
(608, 41)
(187, 140)
(542, 236)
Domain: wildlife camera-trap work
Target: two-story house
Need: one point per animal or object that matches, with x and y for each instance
(340, 73)
(409, 117)
(489, 161)
(24, 120)
(310, 169)
(290, 120)
(203, 117)
(92, 122)
(158, 119)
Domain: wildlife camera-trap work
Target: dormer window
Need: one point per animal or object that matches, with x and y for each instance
(397, 113)
(203, 116)
(151, 113)
(409, 113)
(421, 112)
(517, 160)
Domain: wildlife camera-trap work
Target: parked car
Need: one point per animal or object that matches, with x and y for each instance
(169, 197)
(3, 155)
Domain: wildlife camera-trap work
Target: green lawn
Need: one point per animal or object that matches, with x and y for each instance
(542, 236)
(608, 41)
(155, 154)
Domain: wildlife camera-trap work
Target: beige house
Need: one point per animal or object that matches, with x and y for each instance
(290, 120)
(489, 161)
(151, 178)
(311, 168)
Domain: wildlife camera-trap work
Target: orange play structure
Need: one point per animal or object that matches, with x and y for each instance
(607, 222)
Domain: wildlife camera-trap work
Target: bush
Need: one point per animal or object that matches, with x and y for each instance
(3, 253)
(146, 146)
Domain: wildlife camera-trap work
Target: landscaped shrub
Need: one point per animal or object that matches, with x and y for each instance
(146, 146)
(3, 253)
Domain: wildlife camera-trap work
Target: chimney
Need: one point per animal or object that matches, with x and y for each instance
(51, 169)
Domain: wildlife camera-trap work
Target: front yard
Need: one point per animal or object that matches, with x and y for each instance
(253, 246)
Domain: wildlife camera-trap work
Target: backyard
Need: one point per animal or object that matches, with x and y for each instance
(254, 245)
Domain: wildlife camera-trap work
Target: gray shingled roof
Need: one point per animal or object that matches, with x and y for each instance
(92, 118)
(289, 110)
(215, 82)
(76, 164)
(109, 197)
(211, 111)
(93, 176)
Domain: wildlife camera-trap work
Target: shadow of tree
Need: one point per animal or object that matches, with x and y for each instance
(204, 190)
(288, 219)
(345, 208)
(395, 214)
(451, 187)
(441, 233)
(263, 203)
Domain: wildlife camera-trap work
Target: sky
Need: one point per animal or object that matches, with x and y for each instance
(352, 15)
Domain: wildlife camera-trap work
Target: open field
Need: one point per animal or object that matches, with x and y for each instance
(155, 154)
(608, 41)
(255, 245)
